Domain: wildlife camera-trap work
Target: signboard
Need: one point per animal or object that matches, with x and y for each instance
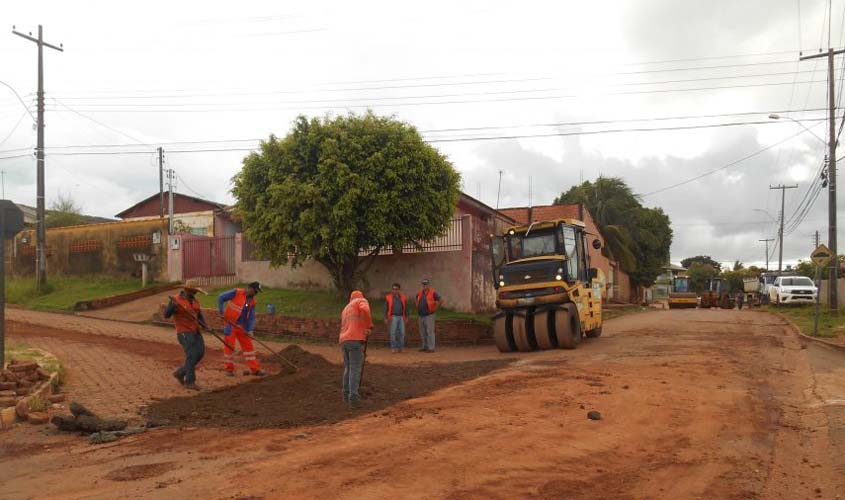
(821, 256)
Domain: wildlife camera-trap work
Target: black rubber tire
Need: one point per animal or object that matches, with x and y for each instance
(500, 334)
(544, 330)
(520, 334)
(567, 327)
(594, 333)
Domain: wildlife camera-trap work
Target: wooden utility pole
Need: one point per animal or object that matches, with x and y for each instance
(833, 275)
(40, 226)
(782, 213)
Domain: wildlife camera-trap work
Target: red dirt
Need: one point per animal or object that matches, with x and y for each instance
(695, 404)
(312, 395)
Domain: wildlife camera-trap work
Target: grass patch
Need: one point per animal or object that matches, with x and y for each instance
(24, 352)
(62, 292)
(327, 305)
(803, 316)
(615, 312)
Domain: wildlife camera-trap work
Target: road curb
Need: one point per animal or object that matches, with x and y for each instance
(795, 328)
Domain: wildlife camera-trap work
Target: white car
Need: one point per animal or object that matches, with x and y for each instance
(793, 290)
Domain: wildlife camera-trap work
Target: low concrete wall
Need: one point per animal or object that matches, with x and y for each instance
(447, 332)
(90, 305)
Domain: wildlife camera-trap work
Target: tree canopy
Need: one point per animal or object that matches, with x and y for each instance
(64, 211)
(701, 259)
(636, 236)
(340, 190)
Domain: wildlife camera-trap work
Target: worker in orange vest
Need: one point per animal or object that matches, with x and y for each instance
(187, 318)
(239, 316)
(356, 324)
(396, 315)
(427, 303)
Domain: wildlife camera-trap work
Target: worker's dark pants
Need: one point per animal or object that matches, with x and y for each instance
(353, 362)
(194, 347)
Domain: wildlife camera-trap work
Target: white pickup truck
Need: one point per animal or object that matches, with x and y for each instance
(792, 290)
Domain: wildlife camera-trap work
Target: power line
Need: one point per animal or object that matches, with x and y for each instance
(456, 129)
(19, 99)
(726, 166)
(109, 127)
(341, 104)
(522, 80)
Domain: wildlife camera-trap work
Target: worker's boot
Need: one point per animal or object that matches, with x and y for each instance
(178, 376)
(192, 387)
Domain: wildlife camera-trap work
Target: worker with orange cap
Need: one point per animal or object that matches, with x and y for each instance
(356, 324)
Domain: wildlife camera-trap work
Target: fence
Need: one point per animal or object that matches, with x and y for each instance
(204, 257)
(452, 241)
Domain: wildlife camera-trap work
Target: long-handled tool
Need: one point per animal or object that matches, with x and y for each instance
(275, 353)
(363, 363)
(193, 317)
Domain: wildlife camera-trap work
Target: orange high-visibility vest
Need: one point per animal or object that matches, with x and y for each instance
(355, 320)
(429, 299)
(182, 321)
(236, 306)
(402, 298)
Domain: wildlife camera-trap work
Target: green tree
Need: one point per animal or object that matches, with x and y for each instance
(701, 259)
(340, 190)
(738, 266)
(64, 211)
(698, 273)
(637, 237)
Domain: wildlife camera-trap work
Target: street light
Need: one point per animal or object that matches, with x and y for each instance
(775, 116)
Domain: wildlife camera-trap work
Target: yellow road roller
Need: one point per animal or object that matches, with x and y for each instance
(681, 297)
(547, 294)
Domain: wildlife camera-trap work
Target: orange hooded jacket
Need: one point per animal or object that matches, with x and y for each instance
(355, 319)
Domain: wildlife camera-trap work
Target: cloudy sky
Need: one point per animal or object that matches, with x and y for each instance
(546, 93)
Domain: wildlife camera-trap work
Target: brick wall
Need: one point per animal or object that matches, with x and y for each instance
(448, 332)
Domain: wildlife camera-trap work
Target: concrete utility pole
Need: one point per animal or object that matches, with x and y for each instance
(160, 183)
(767, 251)
(833, 275)
(170, 173)
(40, 227)
(780, 231)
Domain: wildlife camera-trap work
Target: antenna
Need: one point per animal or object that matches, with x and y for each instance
(499, 193)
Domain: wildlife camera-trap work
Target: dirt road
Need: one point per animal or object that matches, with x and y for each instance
(694, 404)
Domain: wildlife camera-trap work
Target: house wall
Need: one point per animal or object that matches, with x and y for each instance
(96, 248)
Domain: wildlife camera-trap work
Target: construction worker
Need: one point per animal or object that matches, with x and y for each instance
(187, 318)
(396, 315)
(356, 324)
(239, 316)
(427, 303)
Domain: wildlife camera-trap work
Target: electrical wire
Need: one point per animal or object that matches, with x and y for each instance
(726, 166)
(19, 99)
(139, 108)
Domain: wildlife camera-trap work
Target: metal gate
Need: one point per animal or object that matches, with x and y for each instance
(204, 257)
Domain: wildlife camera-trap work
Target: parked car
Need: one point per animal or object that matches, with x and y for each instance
(793, 290)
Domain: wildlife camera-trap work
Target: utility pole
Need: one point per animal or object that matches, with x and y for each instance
(40, 226)
(170, 173)
(816, 240)
(833, 275)
(499, 192)
(160, 182)
(782, 214)
(767, 251)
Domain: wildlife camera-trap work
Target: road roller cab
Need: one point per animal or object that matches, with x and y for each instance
(682, 296)
(547, 294)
